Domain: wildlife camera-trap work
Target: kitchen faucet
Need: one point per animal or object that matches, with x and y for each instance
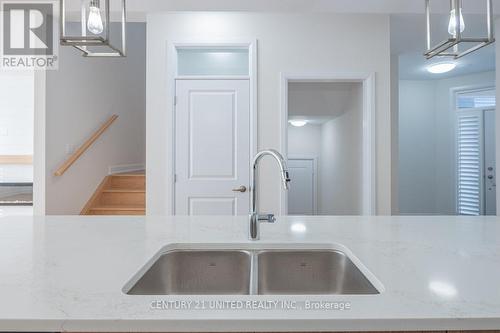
(255, 217)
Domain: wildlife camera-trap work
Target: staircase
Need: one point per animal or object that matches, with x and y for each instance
(119, 194)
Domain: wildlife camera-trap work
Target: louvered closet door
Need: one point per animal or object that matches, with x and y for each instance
(470, 143)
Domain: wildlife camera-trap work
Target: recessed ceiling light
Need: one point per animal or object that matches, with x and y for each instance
(442, 67)
(298, 123)
(298, 228)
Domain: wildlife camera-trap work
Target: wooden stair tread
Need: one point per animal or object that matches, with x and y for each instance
(117, 207)
(119, 194)
(119, 190)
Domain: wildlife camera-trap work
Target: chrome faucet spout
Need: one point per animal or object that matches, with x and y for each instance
(255, 217)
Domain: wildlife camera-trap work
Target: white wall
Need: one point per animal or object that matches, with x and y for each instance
(16, 116)
(497, 119)
(340, 171)
(81, 95)
(417, 155)
(427, 143)
(293, 43)
(304, 141)
(394, 133)
(16, 122)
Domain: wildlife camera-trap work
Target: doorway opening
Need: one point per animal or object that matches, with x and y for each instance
(475, 151)
(17, 102)
(328, 138)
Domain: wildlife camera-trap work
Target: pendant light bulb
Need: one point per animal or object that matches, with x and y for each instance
(452, 25)
(94, 23)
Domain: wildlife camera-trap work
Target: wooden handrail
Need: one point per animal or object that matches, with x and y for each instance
(79, 152)
(16, 159)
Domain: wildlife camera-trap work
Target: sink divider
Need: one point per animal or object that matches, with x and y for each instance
(254, 273)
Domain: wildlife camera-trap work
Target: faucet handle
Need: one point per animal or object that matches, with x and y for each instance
(267, 217)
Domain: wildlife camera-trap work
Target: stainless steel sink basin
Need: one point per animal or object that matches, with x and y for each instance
(250, 270)
(285, 272)
(197, 272)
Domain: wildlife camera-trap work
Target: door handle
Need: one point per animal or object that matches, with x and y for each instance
(241, 189)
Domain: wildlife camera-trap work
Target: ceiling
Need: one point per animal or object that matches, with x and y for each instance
(138, 8)
(413, 66)
(319, 102)
(407, 23)
(408, 42)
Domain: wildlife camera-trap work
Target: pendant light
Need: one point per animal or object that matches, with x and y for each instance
(92, 37)
(456, 30)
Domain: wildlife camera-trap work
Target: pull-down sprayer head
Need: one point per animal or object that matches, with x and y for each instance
(255, 217)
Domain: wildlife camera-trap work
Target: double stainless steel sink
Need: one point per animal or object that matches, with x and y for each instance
(273, 271)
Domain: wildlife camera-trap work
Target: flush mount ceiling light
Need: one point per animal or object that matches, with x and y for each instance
(298, 123)
(441, 68)
(456, 27)
(298, 228)
(93, 35)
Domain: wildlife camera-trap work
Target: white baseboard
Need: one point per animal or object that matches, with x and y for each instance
(125, 168)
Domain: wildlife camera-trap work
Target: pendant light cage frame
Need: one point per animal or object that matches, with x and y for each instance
(449, 47)
(88, 45)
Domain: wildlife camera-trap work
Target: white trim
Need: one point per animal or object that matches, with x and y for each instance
(172, 76)
(369, 129)
(39, 143)
(212, 77)
(122, 168)
(314, 159)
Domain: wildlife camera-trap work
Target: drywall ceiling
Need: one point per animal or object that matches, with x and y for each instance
(407, 22)
(137, 8)
(408, 43)
(319, 102)
(414, 66)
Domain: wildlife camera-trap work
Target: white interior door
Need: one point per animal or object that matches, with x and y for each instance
(489, 163)
(302, 192)
(212, 158)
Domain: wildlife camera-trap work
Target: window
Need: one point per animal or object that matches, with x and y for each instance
(476, 99)
(213, 61)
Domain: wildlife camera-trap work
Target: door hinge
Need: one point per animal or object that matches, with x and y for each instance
(175, 100)
(175, 178)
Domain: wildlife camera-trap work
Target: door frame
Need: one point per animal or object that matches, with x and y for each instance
(485, 111)
(39, 143)
(367, 80)
(482, 111)
(454, 92)
(314, 159)
(172, 77)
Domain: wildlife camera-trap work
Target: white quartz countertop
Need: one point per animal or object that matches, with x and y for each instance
(67, 274)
